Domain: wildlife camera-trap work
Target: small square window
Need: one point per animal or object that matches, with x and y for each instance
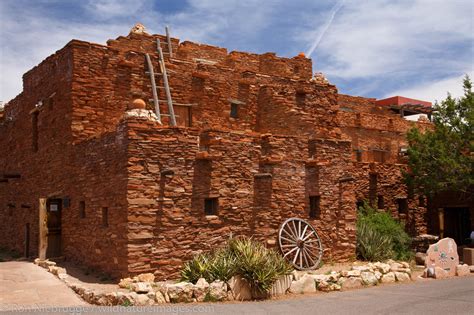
(234, 109)
(105, 217)
(314, 207)
(82, 209)
(359, 155)
(210, 206)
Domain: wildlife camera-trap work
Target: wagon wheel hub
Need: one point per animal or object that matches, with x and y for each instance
(300, 244)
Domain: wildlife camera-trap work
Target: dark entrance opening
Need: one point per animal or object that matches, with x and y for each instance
(53, 212)
(457, 224)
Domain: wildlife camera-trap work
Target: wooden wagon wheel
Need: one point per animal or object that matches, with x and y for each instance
(300, 244)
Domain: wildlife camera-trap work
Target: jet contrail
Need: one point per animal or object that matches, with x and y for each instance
(333, 13)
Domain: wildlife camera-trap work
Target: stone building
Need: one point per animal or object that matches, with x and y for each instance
(89, 174)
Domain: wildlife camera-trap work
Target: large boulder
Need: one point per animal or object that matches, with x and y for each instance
(443, 254)
(306, 284)
(180, 292)
(201, 288)
(368, 278)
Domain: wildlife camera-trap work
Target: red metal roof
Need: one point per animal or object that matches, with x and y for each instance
(400, 100)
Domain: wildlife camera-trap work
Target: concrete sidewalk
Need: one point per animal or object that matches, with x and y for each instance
(25, 285)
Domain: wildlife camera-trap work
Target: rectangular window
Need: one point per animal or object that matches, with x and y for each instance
(197, 84)
(82, 209)
(34, 131)
(234, 110)
(402, 206)
(380, 202)
(421, 201)
(210, 206)
(105, 217)
(359, 155)
(372, 188)
(300, 99)
(314, 207)
(359, 204)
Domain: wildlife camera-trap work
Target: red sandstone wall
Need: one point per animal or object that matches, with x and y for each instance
(167, 221)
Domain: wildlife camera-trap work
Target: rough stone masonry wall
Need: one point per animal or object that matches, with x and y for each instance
(93, 171)
(106, 78)
(259, 181)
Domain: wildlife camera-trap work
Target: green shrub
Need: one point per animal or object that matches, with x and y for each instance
(244, 257)
(380, 236)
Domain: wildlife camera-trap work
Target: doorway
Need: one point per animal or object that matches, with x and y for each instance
(457, 224)
(53, 223)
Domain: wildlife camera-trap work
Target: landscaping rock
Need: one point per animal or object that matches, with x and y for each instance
(319, 278)
(388, 278)
(218, 290)
(378, 275)
(402, 276)
(381, 267)
(368, 278)
(323, 286)
(240, 289)
(362, 268)
(440, 273)
(125, 283)
(141, 287)
(420, 258)
(201, 288)
(443, 254)
(297, 274)
(160, 298)
(471, 268)
(334, 276)
(305, 284)
(462, 270)
(350, 283)
(146, 277)
(142, 300)
(395, 266)
(281, 285)
(180, 292)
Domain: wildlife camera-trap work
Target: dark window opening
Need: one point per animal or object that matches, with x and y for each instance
(82, 209)
(105, 217)
(380, 202)
(402, 206)
(11, 208)
(234, 110)
(314, 207)
(311, 148)
(210, 206)
(359, 155)
(421, 201)
(197, 84)
(34, 132)
(300, 98)
(372, 188)
(359, 204)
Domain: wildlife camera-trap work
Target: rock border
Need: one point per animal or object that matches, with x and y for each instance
(144, 291)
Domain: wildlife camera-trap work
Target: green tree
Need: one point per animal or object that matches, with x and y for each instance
(442, 159)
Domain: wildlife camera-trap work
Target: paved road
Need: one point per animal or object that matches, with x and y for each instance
(451, 296)
(23, 284)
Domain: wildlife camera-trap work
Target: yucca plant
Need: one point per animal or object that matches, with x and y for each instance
(196, 268)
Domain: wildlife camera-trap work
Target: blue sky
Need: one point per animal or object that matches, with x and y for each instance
(377, 48)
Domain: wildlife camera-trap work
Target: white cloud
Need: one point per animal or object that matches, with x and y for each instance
(435, 91)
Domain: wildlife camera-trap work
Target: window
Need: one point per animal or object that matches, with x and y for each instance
(314, 207)
(421, 201)
(359, 204)
(233, 110)
(82, 209)
(197, 84)
(358, 155)
(11, 208)
(34, 132)
(372, 188)
(378, 155)
(210, 206)
(300, 99)
(380, 202)
(105, 217)
(402, 206)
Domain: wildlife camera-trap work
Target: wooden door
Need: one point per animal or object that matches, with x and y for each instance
(183, 116)
(53, 222)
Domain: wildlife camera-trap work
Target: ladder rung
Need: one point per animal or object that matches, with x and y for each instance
(166, 115)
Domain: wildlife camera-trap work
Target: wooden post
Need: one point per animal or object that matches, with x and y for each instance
(43, 229)
(168, 38)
